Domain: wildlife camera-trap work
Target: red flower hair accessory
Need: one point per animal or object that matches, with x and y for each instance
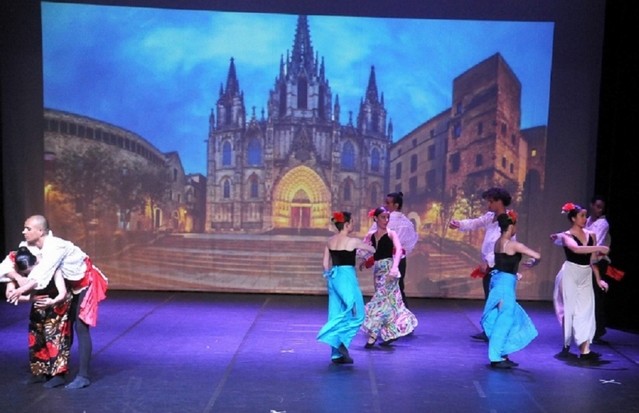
(371, 213)
(512, 215)
(338, 218)
(568, 206)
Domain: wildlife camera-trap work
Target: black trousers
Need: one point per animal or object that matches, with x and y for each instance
(600, 299)
(402, 271)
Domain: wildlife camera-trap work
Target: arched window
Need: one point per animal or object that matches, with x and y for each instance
(253, 187)
(226, 187)
(227, 153)
(347, 191)
(348, 156)
(375, 160)
(254, 152)
(302, 93)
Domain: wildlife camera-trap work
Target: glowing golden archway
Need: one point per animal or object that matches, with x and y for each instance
(301, 200)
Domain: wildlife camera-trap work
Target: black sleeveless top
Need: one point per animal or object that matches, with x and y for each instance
(342, 257)
(507, 263)
(385, 247)
(581, 259)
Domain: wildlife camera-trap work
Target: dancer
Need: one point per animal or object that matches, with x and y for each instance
(49, 321)
(386, 315)
(405, 230)
(87, 283)
(573, 295)
(497, 199)
(345, 300)
(505, 322)
(598, 224)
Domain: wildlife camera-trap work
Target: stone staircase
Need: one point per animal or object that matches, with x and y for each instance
(267, 264)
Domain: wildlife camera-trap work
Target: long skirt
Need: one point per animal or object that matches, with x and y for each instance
(345, 309)
(504, 321)
(574, 302)
(386, 315)
(50, 337)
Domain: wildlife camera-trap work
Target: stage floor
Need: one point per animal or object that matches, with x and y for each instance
(180, 352)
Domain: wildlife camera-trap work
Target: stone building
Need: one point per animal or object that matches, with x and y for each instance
(131, 169)
(475, 144)
(286, 170)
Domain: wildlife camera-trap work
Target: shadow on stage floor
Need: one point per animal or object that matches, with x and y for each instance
(204, 352)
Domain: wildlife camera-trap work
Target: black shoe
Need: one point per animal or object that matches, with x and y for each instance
(500, 364)
(509, 361)
(345, 355)
(589, 356)
(342, 360)
(480, 336)
(371, 342)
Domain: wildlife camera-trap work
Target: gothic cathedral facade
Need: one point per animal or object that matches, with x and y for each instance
(287, 170)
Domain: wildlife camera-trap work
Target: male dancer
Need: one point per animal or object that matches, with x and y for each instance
(86, 282)
(497, 199)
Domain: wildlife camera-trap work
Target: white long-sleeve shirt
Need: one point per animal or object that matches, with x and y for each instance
(488, 222)
(600, 227)
(58, 253)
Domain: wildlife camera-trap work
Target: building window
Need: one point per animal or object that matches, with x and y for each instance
(504, 129)
(479, 160)
(375, 160)
(503, 162)
(458, 129)
(226, 188)
(226, 153)
(512, 168)
(398, 170)
(431, 152)
(253, 187)
(455, 161)
(347, 191)
(533, 153)
(413, 163)
(175, 175)
(348, 156)
(302, 93)
(254, 152)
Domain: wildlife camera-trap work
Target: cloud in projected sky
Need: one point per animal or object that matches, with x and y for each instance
(157, 72)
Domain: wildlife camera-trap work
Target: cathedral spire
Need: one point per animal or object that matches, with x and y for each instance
(371, 90)
(232, 85)
(302, 55)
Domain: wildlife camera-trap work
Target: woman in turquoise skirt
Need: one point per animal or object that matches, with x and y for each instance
(345, 300)
(505, 322)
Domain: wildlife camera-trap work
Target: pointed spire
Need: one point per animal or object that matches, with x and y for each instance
(302, 56)
(371, 90)
(232, 85)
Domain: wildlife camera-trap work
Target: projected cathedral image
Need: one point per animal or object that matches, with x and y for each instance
(275, 172)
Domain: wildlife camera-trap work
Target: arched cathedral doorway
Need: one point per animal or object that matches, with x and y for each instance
(301, 200)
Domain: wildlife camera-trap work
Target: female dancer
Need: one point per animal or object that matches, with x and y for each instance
(345, 300)
(505, 322)
(49, 322)
(573, 295)
(386, 315)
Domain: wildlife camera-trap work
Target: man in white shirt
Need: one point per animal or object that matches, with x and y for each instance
(497, 199)
(85, 281)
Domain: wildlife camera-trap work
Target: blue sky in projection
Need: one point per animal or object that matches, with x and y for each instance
(158, 72)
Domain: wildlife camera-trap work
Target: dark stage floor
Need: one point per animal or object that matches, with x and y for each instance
(199, 352)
